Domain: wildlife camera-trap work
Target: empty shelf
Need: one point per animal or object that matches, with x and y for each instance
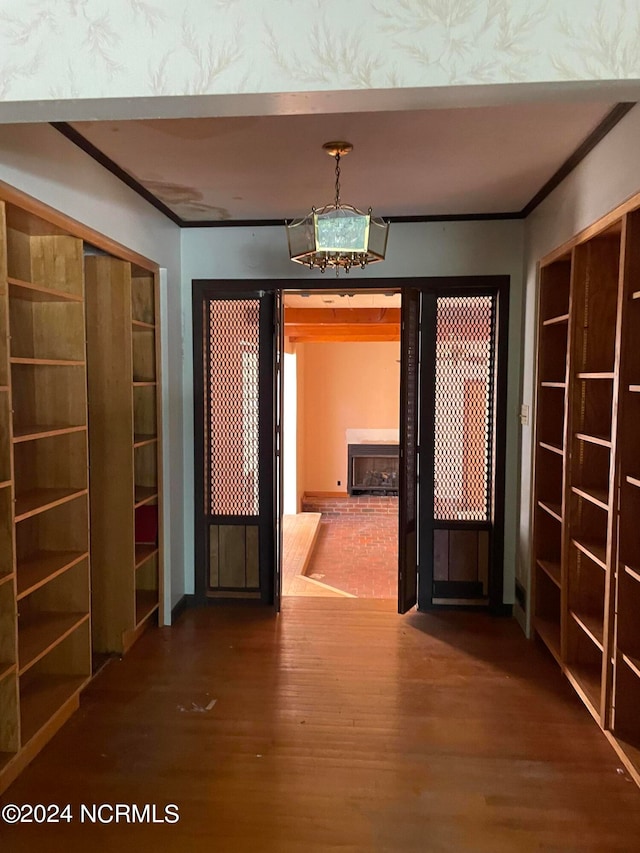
(33, 432)
(43, 567)
(40, 632)
(144, 494)
(554, 510)
(591, 625)
(600, 440)
(38, 500)
(586, 679)
(633, 663)
(38, 293)
(141, 439)
(552, 321)
(599, 497)
(42, 697)
(552, 447)
(143, 552)
(595, 552)
(596, 375)
(549, 633)
(56, 362)
(146, 603)
(552, 570)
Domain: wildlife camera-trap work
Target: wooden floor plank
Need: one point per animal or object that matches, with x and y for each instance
(336, 726)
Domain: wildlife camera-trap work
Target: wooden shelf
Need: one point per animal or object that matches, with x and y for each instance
(592, 627)
(598, 497)
(143, 553)
(4, 387)
(552, 447)
(552, 570)
(33, 432)
(586, 678)
(40, 633)
(55, 362)
(596, 375)
(143, 383)
(6, 669)
(633, 481)
(554, 510)
(43, 567)
(595, 552)
(146, 604)
(600, 440)
(42, 697)
(139, 440)
(549, 633)
(553, 384)
(632, 573)
(39, 500)
(553, 321)
(6, 578)
(635, 389)
(635, 294)
(4, 484)
(633, 664)
(144, 494)
(38, 293)
(138, 324)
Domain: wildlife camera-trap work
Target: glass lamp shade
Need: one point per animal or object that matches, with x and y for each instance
(340, 236)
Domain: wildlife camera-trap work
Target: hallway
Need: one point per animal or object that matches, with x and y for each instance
(338, 725)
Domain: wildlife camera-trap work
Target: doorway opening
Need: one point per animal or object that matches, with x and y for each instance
(341, 433)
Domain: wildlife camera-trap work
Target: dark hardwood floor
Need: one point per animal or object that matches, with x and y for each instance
(337, 726)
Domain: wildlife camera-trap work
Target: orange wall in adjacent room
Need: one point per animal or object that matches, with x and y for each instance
(345, 386)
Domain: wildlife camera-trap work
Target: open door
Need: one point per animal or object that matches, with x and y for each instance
(278, 409)
(409, 451)
(462, 437)
(235, 470)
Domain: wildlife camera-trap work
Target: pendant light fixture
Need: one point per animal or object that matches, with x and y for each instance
(337, 235)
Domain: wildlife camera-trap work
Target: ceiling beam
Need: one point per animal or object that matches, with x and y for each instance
(341, 316)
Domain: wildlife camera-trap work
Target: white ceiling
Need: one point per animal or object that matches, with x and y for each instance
(417, 163)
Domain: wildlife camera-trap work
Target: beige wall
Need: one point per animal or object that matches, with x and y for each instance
(345, 386)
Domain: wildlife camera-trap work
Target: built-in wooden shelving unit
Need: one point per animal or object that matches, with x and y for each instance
(586, 547)
(123, 418)
(47, 558)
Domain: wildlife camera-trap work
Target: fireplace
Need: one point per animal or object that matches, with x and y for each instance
(373, 469)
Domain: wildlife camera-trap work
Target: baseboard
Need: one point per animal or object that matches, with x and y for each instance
(181, 605)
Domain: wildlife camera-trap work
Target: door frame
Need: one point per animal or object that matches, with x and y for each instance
(461, 285)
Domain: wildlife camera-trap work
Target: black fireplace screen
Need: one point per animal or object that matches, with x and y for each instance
(373, 469)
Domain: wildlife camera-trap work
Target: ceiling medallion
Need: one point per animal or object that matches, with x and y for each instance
(337, 235)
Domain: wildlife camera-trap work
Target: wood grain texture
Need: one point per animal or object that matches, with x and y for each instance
(110, 371)
(338, 726)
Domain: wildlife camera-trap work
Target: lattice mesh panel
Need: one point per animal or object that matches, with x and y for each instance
(463, 408)
(233, 415)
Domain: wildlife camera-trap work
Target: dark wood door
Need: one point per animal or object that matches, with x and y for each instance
(462, 441)
(409, 451)
(278, 412)
(235, 472)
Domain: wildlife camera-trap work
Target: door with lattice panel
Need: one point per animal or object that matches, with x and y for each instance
(235, 404)
(462, 447)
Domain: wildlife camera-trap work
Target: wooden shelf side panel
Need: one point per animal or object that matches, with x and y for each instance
(111, 425)
(37, 254)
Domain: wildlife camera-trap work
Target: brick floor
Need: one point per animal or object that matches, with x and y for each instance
(357, 546)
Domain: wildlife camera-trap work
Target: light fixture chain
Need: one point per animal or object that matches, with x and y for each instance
(337, 180)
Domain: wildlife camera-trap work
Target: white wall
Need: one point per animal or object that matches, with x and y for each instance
(604, 179)
(41, 162)
(420, 249)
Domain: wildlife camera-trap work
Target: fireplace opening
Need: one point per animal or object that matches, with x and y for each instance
(373, 469)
